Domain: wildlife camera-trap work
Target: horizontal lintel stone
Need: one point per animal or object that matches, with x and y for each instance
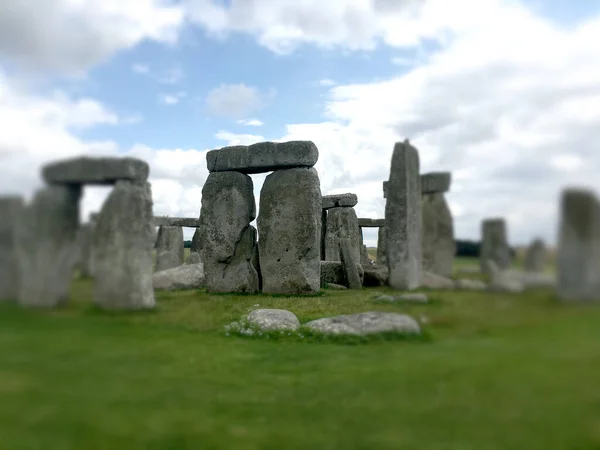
(163, 221)
(336, 200)
(98, 171)
(371, 223)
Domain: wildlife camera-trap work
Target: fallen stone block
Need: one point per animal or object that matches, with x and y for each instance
(188, 276)
(365, 323)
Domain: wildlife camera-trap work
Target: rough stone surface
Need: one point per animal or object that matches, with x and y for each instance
(195, 247)
(375, 276)
(333, 272)
(413, 297)
(227, 240)
(46, 244)
(432, 281)
(10, 210)
(578, 258)
(438, 246)
(99, 171)
(194, 258)
(342, 223)
(263, 157)
(403, 218)
(366, 323)
(123, 249)
(339, 200)
(364, 256)
(435, 182)
(273, 319)
(371, 223)
(169, 248)
(187, 222)
(381, 247)
(467, 284)
(349, 264)
(188, 276)
(290, 232)
(535, 256)
(494, 244)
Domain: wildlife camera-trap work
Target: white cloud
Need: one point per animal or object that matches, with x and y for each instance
(238, 139)
(69, 36)
(327, 82)
(171, 99)
(250, 122)
(236, 100)
(171, 75)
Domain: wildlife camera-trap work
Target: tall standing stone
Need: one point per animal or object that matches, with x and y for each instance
(342, 223)
(86, 249)
(289, 226)
(195, 247)
(350, 263)
(169, 248)
(535, 256)
(10, 208)
(47, 248)
(403, 218)
(578, 259)
(323, 233)
(227, 241)
(122, 249)
(381, 247)
(494, 244)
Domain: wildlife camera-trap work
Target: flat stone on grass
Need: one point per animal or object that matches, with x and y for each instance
(365, 323)
(412, 297)
(274, 319)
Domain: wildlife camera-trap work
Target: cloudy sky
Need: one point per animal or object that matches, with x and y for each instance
(505, 94)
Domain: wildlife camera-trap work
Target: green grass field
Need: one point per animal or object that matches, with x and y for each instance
(495, 372)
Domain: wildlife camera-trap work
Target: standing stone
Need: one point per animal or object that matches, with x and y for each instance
(578, 259)
(47, 249)
(381, 247)
(438, 245)
(494, 244)
(364, 256)
(403, 218)
(86, 252)
(123, 249)
(349, 263)
(342, 223)
(169, 248)
(10, 209)
(289, 226)
(535, 256)
(226, 239)
(195, 247)
(323, 233)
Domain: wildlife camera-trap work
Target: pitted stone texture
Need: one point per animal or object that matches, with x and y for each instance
(99, 171)
(371, 223)
(263, 157)
(10, 210)
(366, 323)
(435, 182)
(86, 250)
(188, 276)
(169, 248)
(364, 256)
(123, 249)
(578, 259)
(194, 258)
(290, 232)
(535, 256)
(381, 247)
(349, 264)
(403, 218)
(47, 248)
(339, 200)
(342, 223)
(494, 244)
(187, 222)
(273, 319)
(226, 239)
(332, 272)
(437, 239)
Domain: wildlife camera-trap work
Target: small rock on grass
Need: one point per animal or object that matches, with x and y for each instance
(273, 319)
(337, 287)
(413, 297)
(372, 322)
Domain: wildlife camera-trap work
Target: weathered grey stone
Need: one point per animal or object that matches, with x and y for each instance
(188, 276)
(342, 223)
(99, 171)
(323, 233)
(364, 256)
(336, 287)
(535, 256)
(195, 247)
(227, 241)
(187, 222)
(194, 258)
(273, 319)
(578, 259)
(46, 244)
(256, 264)
(333, 272)
(385, 189)
(340, 200)
(381, 247)
(169, 248)
(494, 244)
(10, 210)
(467, 284)
(290, 232)
(432, 281)
(437, 238)
(435, 182)
(412, 297)
(371, 223)
(502, 280)
(123, 249)
(349, 264)
(366, 323)
(86, 250)
(375, 276)
(263, 157)
(403, 218)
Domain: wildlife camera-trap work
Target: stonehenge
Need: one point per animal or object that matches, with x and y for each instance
(370, 223)
(494, 244)
(169, 243)
(10, 209)
(341, 222)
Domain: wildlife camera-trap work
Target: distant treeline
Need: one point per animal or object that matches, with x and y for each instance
(471, 249)
(187, 244)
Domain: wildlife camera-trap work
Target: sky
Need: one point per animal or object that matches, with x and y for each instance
(505, 94)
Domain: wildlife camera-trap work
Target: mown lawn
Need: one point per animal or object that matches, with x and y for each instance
(495, 372)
